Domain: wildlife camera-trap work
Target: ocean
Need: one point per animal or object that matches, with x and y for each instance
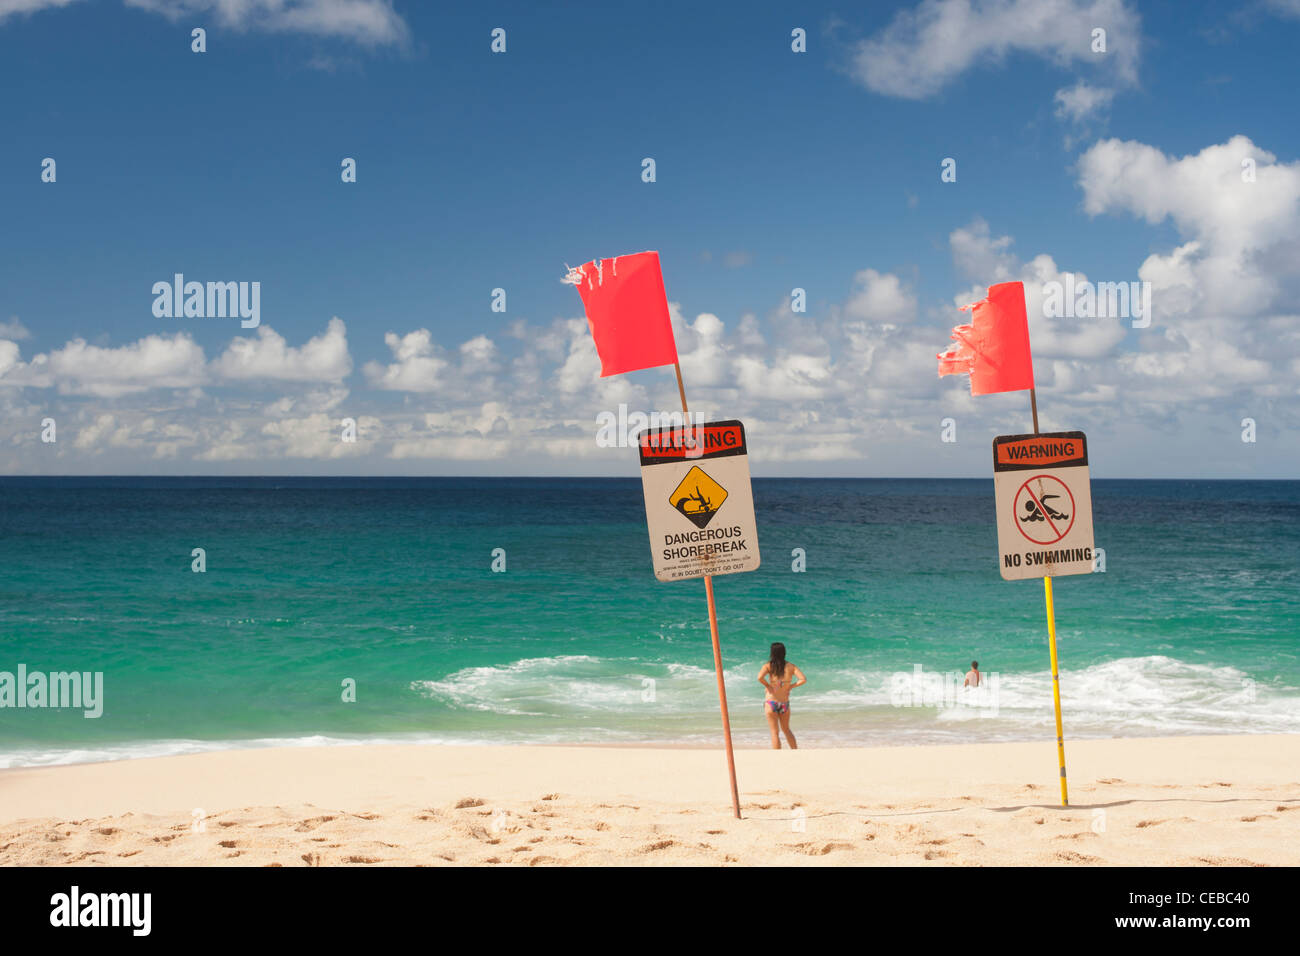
(317, 585)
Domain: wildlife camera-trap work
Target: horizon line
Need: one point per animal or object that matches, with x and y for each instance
(629, 477)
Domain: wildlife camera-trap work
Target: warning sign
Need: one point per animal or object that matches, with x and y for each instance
(699, 506)
(1044, 501)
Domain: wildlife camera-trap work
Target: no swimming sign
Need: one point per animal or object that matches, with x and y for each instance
(1044, 500)
(699, 506)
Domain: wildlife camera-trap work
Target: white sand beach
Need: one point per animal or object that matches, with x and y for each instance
(1184, 801)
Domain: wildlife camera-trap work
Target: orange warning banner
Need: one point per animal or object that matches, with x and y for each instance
(1054, 449)
(715, 440)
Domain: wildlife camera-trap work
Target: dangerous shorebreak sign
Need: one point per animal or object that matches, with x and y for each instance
(1044, 499)
(699, 506)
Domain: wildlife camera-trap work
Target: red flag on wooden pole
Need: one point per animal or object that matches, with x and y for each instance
(627, 310)
(994, 348)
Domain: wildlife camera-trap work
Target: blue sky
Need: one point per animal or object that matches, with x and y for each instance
(774, 170)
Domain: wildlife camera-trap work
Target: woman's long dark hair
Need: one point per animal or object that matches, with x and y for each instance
(777, 659)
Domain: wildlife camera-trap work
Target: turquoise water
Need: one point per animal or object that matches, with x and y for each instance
(1192, 628)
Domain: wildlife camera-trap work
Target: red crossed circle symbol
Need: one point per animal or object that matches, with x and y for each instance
(1050, 525)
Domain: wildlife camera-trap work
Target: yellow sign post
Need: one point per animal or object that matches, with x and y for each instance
(1056, 686)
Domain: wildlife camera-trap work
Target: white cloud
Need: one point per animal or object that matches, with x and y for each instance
(1081, 102)
(418, 367)
(10, 8)
(177, 362)
(14, 330)
(316, 436)
(978, 255)
(924, 49)
(156, 361)
(368, 22)
(324, 358)
(1244, 235)
(880, 297)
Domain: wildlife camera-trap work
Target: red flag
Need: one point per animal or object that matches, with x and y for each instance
(994, 348)
(627, 310)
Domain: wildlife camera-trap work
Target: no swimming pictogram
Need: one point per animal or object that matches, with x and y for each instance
(1044, 509)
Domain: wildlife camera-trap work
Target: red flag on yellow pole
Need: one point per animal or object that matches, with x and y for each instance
(994, 347)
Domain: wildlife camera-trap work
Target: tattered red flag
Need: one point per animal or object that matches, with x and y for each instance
(994, 348)
(627, 310)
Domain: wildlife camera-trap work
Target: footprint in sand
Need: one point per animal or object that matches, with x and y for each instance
(814, 849)
(1069, 856)
(1226, 861)
(311, 823)
(1153, 823)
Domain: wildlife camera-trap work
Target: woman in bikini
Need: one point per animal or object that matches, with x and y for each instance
(779, 677)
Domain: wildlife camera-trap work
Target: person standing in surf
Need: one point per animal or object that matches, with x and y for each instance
(778, 677)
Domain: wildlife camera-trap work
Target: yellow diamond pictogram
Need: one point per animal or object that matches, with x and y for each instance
(698, 497)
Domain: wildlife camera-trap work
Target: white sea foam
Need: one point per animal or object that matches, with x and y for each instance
(585, 699)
